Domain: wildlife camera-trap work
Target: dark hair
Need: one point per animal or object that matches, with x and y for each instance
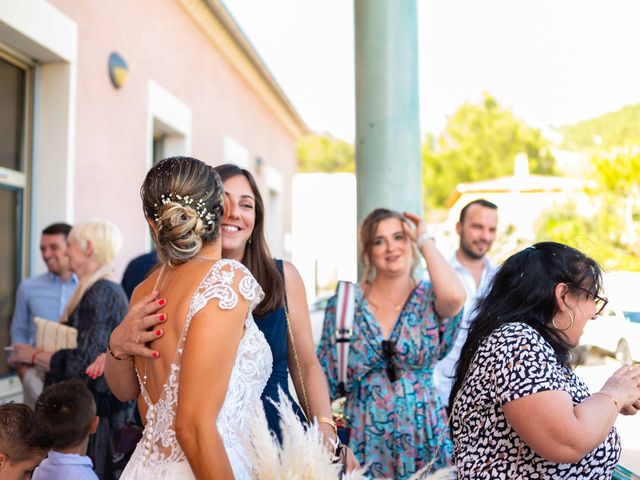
(57, 229)
(480, 201)
(523, 290)
(185, 199)
(23, 433)
(368, 236)
(69, 409)
(257, 257)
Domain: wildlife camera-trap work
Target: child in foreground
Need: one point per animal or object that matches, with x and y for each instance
(69, 409)
(24, 440)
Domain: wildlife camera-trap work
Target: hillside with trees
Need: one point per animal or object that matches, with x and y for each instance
(612, 130)
(612, 233)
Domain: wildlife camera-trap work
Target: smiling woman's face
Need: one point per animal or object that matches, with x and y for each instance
(391, 251)
(238, 227)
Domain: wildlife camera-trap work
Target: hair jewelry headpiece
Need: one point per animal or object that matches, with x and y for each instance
(186, 201)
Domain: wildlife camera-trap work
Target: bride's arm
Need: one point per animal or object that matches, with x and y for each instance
(209, 354)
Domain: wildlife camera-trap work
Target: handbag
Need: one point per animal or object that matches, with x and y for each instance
(53, 336)
(345, 312)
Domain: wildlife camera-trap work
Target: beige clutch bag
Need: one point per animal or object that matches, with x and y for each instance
(54, 336)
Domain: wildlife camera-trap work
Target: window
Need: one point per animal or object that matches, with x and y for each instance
(157, 148)
(14, 118)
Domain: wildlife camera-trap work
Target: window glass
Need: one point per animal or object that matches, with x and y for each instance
(12, 101)
(10, 228)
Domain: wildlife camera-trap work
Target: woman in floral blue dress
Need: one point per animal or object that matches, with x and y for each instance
(401, 328)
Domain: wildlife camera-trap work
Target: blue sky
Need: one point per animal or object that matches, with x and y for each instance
(551, 61)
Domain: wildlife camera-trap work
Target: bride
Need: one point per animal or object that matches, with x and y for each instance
(213, 362)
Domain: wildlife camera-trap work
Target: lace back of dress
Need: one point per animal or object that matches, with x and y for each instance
(160, 444)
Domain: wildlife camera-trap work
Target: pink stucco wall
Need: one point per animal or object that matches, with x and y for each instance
(160, 42)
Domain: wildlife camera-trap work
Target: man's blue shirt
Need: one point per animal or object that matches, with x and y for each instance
(43, 296)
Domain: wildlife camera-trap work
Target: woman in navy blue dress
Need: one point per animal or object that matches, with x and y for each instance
(243, 239)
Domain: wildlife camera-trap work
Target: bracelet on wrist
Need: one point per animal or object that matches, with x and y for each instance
(422, 239)
(610, 397)
(111, 351)
(328, 421)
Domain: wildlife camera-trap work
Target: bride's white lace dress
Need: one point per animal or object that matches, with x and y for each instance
(158, 455)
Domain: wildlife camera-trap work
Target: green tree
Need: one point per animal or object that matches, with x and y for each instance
(323, 153)
(600, 236)
(480, 141)
(610, 234)
(619, 171)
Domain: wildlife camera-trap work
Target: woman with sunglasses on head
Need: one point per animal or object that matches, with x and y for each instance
(401, 327)
(290, 340)
(517, 408)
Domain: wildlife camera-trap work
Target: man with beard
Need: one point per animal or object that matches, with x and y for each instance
(477, 231)
(43, 296)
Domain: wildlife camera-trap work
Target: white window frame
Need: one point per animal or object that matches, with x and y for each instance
(49, 39)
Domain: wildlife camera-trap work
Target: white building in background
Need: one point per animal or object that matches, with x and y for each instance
(324, 230)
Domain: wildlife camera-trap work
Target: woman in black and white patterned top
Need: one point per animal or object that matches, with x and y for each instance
(517, 409)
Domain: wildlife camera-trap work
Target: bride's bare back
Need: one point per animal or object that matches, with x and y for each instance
(213, 365)
(177, 286)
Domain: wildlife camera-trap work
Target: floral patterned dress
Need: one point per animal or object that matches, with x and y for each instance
(396, 427)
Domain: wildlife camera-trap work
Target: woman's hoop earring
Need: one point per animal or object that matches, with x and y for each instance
(571, 318)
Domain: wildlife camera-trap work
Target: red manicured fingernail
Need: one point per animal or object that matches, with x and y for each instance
(158, 333)
(155, 355)
(163, 317)
(162, 301)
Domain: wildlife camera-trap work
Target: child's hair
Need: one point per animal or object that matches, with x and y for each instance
(69, 409)
(23, 433)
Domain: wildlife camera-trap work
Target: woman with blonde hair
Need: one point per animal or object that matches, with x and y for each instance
(95, 309)
(401, 327)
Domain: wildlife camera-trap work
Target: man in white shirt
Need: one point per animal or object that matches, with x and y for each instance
(477, 230)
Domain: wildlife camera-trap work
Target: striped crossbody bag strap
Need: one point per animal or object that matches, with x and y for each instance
(345, 311)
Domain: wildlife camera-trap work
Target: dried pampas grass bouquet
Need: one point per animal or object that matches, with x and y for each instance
(302, 454)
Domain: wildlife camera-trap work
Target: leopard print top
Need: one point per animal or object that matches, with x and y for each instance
(513, 362)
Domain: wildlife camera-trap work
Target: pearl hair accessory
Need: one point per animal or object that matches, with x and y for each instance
(186, 201)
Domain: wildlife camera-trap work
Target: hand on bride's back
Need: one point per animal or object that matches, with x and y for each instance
(138, 328)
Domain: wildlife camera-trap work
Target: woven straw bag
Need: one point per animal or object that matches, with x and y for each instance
(53, 336)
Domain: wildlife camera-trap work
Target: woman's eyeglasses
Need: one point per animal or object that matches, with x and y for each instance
(388, 352)
(601, 302)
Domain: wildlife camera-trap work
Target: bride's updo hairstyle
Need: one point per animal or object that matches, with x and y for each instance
(184, 198)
